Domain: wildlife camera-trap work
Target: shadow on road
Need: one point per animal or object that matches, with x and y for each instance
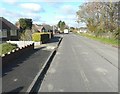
(16, 63)
(54, 39)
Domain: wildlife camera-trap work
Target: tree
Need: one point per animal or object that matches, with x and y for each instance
(25, 23)
(61, 25)
(25, 26)
(100, 17)
(26, 35)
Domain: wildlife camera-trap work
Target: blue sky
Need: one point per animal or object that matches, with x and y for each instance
(41, 11)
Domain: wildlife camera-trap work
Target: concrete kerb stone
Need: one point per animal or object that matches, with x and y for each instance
(32, 85)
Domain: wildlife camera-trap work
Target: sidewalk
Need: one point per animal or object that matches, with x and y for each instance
(17, 77)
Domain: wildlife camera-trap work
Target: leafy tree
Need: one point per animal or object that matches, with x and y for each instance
(61, 25)
(25, 23)
(26, 35)
(100, 17)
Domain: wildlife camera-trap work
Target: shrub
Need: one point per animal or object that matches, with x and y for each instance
(36, 37)
(41, 37)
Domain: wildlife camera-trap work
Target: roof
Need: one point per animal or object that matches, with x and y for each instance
(40, 27)
(4, 22)
(47, 27)
(37, 27)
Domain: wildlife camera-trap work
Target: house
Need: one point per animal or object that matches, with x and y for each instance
(37, 28)
(41, 28)
(8, 31)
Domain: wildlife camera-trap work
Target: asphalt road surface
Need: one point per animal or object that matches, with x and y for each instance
(82, 65)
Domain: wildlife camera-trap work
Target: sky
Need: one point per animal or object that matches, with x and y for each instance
(41, 11)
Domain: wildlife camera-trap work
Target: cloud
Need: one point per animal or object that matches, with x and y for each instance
(67, 9)
(17, 15)
(31, 7)
(10, 1)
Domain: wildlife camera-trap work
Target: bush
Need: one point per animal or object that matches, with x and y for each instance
(6, 47)
(36, 37)
(41, 37)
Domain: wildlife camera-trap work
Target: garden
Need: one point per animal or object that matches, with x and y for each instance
(7, 47)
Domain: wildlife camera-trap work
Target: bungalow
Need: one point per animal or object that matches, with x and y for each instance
(8, 31)
(37, 28)
(41, 28)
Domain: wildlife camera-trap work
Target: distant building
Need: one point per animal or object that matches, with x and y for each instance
(8, 31)
(82, 30)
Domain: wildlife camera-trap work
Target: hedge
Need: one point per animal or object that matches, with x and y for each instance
(41, 37)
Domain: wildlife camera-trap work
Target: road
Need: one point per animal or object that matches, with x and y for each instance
(82, 65)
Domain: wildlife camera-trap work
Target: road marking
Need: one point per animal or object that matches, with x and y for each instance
(84, 76)
(102, 70)
(85, 80)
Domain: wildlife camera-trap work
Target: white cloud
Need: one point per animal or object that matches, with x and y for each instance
(67, 9)
(17, 15)
(11, 1)
(31, 7)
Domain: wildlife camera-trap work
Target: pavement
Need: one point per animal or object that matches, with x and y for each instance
(82, 65)
(18, 75)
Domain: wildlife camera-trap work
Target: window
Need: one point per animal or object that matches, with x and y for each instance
(4, 33)
(13, 32)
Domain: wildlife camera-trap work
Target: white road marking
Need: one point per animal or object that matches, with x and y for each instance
(84, 76)
(102, 70)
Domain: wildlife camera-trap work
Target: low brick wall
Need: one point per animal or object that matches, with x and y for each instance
(9, 57)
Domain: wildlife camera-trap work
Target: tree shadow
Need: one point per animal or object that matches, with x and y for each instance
(15, 63)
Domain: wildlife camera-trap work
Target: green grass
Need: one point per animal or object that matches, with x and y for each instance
(113, 42)
(6, 47)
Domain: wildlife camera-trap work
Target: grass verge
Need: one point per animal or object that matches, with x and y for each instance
(113, 42)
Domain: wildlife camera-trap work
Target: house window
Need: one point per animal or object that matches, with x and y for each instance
(13, 32)
(4, 33)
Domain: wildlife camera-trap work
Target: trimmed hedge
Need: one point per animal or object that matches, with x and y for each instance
(41, 37)
(36, 37)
